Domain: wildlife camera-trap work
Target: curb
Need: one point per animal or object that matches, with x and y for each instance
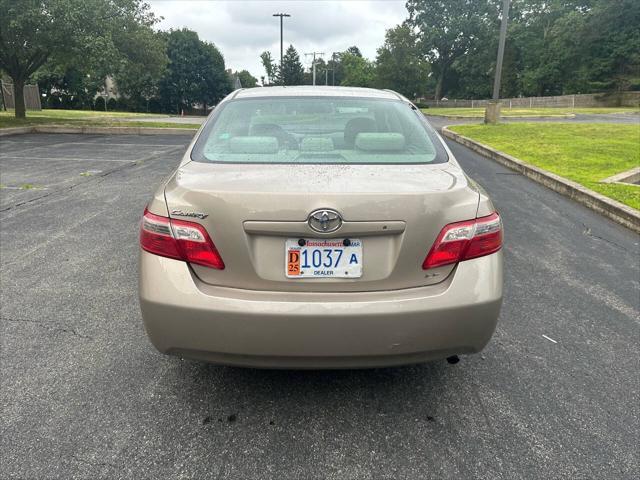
(616, 211)
(97, 130)
(5, 132)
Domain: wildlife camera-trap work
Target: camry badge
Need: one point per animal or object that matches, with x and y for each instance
(181, 213)
(325, 220)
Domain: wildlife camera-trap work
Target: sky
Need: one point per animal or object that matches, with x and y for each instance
(242, 29)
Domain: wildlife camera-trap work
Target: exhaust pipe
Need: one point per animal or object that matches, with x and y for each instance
(453, 359)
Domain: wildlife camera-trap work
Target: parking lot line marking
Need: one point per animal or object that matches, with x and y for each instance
(23, 142)
(34, 148)
(119, 144)
(550, 339)
(133, 160)
(128, 164)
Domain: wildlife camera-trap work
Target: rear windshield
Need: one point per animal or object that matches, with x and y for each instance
(318, 130)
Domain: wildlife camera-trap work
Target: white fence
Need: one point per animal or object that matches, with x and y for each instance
(617, 99)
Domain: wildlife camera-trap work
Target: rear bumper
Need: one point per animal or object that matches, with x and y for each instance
(186, 317)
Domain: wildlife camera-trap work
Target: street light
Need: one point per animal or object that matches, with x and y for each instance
(281, 15)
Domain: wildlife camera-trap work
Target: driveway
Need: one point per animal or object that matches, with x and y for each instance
(84, 394)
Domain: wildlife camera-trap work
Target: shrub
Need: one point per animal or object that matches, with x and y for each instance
(98, 104)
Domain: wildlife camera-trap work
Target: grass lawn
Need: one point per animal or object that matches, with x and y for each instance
(523, 112)
(585, 153)
(87, 118)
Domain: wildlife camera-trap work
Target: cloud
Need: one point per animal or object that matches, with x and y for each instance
(242, 29)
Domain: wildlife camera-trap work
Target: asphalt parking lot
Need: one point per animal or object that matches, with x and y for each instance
(85, 395)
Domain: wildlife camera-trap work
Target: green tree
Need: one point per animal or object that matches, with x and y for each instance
(612, 38)
(358, 71)
(553, 47)
(597, 48)
(449, 29)
(399, 64)
(321, 73)
(141, 65)
(572, 46)
(269, 65)
(531, 40)
(68, 86)
(246, 79)
(335, 66)
(292, 72)
(179, 85)
(33, 32)
(335, 69)
(195, 72)
(471, 75)
(353, 50)
(214, 81)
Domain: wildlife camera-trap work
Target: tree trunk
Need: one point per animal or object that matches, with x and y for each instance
(439, 86)
(18, 94)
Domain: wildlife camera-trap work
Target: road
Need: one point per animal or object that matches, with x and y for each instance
(191, 119)
(624, 118)
(84, 395)
(629, 118)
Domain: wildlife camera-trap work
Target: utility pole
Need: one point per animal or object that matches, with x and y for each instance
(492, 112)
(313, 64)
(281, 15)
(333, 70)
(501, 42)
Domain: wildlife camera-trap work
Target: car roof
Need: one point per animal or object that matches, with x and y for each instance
(314, 91)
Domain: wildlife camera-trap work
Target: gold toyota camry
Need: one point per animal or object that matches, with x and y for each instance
(319, 227)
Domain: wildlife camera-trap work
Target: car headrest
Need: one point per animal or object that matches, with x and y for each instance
(253, 145)
(356, 126)
(316, 144)
(380, 142)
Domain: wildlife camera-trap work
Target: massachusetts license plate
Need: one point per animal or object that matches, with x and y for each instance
(323, 258)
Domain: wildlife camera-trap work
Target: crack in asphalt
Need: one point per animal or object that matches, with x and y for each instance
(95, 178)
(40, 323)
(74, 332)
(587, 232)
(93, 464)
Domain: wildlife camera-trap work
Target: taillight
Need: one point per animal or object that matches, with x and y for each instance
(465, 240)
(178, 239)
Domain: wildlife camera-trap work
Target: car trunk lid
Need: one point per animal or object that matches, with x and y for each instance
(251, 210)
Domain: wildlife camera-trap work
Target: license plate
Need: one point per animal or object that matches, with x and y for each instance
(323, 258)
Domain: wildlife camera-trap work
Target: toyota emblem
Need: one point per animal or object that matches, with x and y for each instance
(325, 220)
